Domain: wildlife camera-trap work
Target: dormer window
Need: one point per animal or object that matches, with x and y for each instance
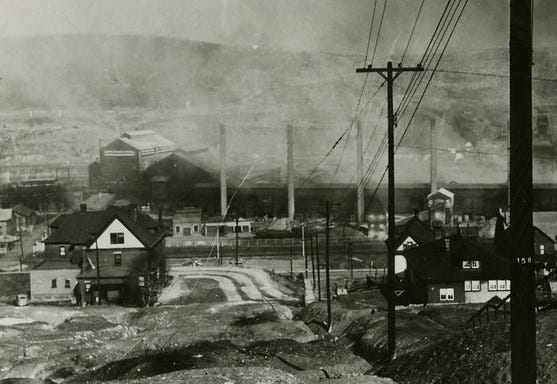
(471, 264)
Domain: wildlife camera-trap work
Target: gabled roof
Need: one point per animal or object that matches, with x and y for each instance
(412, 227)
(147, 140)
(110, 271)
(434, 263)
(6, 214)
(23, 210)
(54, 264)
(82, 228)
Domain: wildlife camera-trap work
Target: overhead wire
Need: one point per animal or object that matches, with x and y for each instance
(425, 89)
(363, 88)
(412, 31)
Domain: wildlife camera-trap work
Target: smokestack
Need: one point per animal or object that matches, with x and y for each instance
(223, 194)
(290, 171)
(360, 161)
(433, 155)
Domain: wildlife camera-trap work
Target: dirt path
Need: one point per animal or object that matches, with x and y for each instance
(235, 282)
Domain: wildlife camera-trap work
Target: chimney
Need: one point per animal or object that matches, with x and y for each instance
(82, 207)
(360, 160)
(290, 171)
(223, 193)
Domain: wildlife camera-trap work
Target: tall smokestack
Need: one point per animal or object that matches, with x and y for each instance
(433, 155)
(223, 195)
(290, 171)
(360, 161)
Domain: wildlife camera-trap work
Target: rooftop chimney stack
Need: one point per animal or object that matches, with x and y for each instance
(290, 171)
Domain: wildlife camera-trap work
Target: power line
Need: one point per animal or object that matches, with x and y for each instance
(423, 93)
(378, 33)
(487, 74)
(412, 32)
(341, 137)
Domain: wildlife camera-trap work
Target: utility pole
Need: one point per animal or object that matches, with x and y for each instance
(390, 74)
(327, 267)
(523, 298)
(219, 261)
(312, 262)
(318, 266)
(237, 229)
(98, 274)
(360, 170)
(350, 255)
(291, 266)
(304, 251)
(21, 245)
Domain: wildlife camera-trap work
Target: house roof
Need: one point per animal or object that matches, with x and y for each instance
(546, 221)
(55, 264)
(412, 227)
(441, 193)
(433, 262)
(81, 228)
(6, 214)
(143, 140)
(23, 210)
(191, 214)
(110, 271)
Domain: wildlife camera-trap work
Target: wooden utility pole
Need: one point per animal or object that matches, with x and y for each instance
(523, 297)
(360, 169)
(98, 273)
(328, 266)
(304, 251)
(21, 245)
(390, 74)
(318, 266)
(312, 261)
(291, 264)
(237, 229)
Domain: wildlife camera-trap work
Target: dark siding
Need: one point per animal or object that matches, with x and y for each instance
(433, 292)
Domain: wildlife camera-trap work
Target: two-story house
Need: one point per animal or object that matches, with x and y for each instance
(456, 269)
(114, 249)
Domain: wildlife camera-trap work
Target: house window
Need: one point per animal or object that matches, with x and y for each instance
(117, 258)
(196, 228)
(177, 229)
(501, 285)
(542, 249)
(492, 285)
(468, 286)
(448, 245)
(245, 228)
(508, 285)
(62, 250)
(117, 238)
(53, 283)
(446, 294)
(471, 264)
(472, 286)
(67, 284)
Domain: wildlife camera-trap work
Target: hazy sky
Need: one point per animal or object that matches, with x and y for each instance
(339, 26)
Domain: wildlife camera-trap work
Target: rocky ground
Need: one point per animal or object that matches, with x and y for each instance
(267, 336)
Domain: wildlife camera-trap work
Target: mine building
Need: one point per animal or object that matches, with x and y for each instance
(123, 160)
